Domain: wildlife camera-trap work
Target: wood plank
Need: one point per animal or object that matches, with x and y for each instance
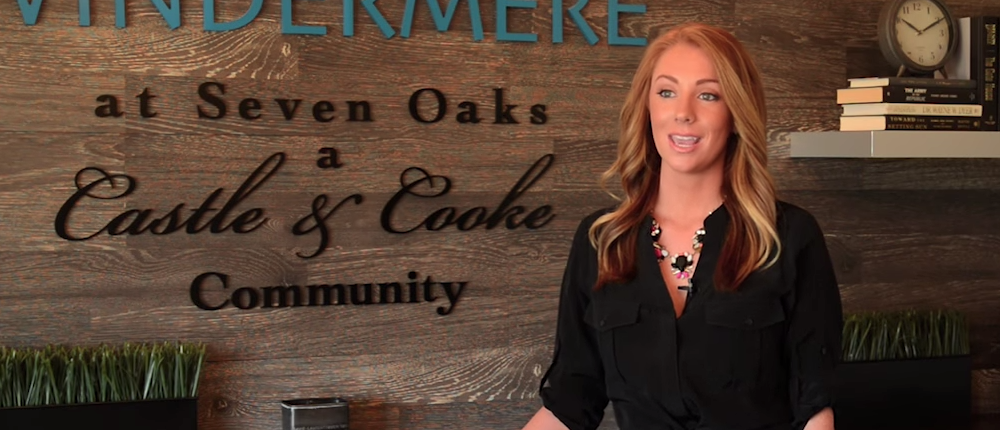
(657, 19)
(984, 343)
(582, 162)
(177, 107)
(354, 227)
(932, 174)
(428, 60)
(57, 103)
(331, 13)
(36, 319)
(119, 292)
(35, 187)
(847, 263)
(931, 259)
(137, 13)
(986, 392)
(607, 66)
(893, 212)
(368, 166)
(778, 50)
(258, 51)
(816, 174)
(250, 392)
(786, 115)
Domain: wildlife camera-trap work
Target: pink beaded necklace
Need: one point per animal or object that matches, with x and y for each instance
(681, 264)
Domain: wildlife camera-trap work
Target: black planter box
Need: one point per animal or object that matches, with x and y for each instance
(934, 393)
(181, 414)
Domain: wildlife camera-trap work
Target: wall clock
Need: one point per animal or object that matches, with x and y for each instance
(917, 36)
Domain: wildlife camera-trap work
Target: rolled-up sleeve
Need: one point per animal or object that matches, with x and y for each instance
(814, 341)
(573, 386)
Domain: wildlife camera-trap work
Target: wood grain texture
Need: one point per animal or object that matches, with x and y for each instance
(985, 390)
(179, 104)
(257, 52)
(57, 102)
(367, 165)
(38, 178)
(865, 212)
(137, 13)
(248, 393)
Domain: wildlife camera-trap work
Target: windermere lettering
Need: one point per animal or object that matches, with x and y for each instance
(382, 293)
(30, 10)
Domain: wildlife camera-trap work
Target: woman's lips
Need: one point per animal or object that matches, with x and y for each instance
(683, 143)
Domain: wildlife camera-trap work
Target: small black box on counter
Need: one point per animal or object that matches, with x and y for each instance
(315, 414)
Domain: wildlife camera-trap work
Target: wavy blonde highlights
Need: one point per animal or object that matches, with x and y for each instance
(751, 196)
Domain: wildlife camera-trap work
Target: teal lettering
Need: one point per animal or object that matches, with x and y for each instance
(84, 13)
(373, 12)
(120, 13)
(443, 20)
(348, 18)
(614, 8)
(211, 25)
(170, 14)
(29, 11)
(287, 27)
(577, 17)
(502, 33)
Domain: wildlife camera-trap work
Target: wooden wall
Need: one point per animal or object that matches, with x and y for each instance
(904, 233)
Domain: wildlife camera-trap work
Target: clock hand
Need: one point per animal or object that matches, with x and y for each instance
(932, 24)
(911, 26)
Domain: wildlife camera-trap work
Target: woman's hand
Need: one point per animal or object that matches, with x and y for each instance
(544, 420)
(823, 420)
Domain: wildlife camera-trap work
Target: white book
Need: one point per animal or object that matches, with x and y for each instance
(867, 109)
(959, 65)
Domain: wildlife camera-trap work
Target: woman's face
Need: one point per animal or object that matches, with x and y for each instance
(690, 121)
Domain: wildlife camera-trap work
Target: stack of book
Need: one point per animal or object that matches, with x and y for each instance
(908, 103)
(967, 99)
(975, 59)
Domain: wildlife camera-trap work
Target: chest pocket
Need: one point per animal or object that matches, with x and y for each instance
(622, 334)
(747, 340)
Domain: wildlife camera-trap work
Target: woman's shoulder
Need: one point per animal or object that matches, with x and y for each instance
(796, 223)
(582, 235)
(589, 219)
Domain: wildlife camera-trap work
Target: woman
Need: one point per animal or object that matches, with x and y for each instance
(700, 301)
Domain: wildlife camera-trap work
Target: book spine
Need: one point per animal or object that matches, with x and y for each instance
(926, 109)
(988, 70)
(903, 94)
(906, 122)
(906, 81)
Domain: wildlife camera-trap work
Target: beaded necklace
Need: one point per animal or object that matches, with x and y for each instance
(681, 264)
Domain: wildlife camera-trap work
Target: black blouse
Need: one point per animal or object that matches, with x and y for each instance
(761, 358)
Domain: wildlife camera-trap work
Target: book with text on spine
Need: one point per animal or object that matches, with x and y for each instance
(909, 81)
(976, 59)
(904, 94)
(908, 122)
(863, 109)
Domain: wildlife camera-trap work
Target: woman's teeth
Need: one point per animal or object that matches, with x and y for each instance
(684, 140)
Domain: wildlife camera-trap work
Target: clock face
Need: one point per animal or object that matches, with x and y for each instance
(922, 31)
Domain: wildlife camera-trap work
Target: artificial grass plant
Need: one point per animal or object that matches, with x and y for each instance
(911, 334)
(61, 375)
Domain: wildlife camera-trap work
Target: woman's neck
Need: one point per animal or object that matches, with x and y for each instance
(685, 199)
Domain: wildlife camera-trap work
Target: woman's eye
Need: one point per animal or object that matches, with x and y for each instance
(709, 97)
(666, 93)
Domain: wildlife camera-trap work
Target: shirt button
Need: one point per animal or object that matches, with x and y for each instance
(748, 321)
(601, 323)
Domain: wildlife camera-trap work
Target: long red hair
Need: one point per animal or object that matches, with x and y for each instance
(752, 234)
